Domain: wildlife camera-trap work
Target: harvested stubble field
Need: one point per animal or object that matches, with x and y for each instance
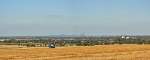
(101, 52)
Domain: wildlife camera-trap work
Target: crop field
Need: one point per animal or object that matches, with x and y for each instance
(101, 52)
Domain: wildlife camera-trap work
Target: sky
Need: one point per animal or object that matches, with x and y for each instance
(91, 17)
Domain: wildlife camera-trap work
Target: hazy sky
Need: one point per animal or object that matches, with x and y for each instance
(48, 17)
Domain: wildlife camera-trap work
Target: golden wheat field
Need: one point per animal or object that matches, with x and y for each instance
(101, 52)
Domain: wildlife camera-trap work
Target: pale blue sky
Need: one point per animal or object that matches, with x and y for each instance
(48, 17)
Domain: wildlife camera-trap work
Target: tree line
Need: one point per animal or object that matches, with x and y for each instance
(76, 42)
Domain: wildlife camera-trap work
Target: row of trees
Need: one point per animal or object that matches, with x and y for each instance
(87, 42)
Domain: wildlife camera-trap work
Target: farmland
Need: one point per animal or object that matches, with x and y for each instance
(100, 52)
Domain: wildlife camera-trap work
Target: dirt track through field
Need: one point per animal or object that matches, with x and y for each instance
(102, 52)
